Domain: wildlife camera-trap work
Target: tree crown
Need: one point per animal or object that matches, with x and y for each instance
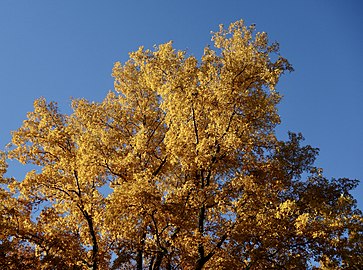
(194, 173)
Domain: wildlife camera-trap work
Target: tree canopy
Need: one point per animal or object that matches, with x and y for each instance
(178, 168)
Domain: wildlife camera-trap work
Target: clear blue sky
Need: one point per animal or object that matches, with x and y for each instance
(66, 48)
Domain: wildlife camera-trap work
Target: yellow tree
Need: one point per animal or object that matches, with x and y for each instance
(65, 187)
(180, 168)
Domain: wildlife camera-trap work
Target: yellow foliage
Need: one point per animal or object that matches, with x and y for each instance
(178, 168)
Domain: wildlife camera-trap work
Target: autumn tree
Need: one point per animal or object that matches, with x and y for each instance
(178, 168)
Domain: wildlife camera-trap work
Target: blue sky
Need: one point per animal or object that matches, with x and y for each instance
(63, 49)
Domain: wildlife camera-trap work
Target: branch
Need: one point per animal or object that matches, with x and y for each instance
(195, 126)
(77, 182)
(160, 167)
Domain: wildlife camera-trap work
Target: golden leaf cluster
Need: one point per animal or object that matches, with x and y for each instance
(178, 168)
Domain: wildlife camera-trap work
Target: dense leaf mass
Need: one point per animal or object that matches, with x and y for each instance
(178, 168)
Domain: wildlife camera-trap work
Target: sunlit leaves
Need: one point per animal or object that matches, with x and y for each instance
(178, 168)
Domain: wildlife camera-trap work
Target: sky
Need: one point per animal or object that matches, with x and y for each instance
(66, 49)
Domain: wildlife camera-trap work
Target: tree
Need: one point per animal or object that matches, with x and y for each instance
(178, 168)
